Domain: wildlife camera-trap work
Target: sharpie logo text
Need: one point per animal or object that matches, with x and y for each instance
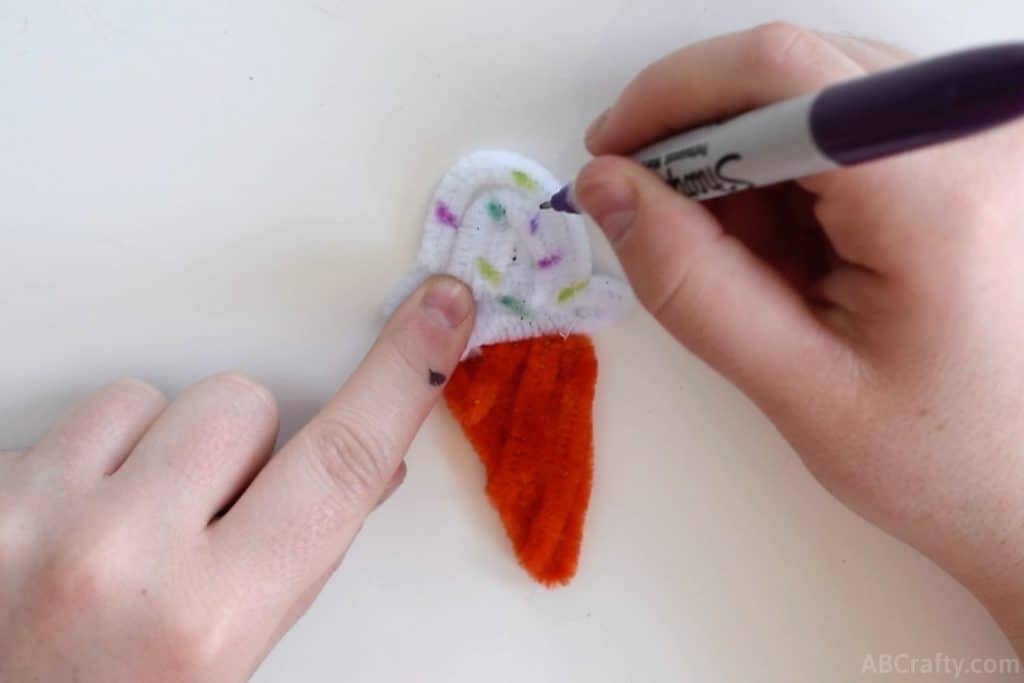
(712, 179)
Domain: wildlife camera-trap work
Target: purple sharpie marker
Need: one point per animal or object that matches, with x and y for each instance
(868, 118)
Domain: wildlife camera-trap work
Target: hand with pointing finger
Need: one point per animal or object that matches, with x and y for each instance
(875, 315)
(116, 563)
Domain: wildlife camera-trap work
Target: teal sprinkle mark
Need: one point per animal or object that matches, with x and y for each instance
(515, 305)
(524, 181)
(496, 210)
(572, 290)
(487, 271)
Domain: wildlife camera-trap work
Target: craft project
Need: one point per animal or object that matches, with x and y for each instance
(523, 393)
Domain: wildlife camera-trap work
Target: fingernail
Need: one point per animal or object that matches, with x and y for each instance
(447, 301)
(612, 203)
(594, 129)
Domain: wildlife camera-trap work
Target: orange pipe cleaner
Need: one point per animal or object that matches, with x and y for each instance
(526, 408)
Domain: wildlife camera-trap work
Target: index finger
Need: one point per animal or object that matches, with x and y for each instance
(716, 78)
(298, 516)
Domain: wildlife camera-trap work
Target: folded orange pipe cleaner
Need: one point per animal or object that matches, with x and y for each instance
(526, 407)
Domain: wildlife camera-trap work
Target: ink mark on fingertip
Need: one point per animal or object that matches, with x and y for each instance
(436, 378)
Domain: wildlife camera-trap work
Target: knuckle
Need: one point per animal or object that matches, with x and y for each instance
(685, 302)
(72, 577)
(192, 644)
(138, 389)
(667, 299)
(239, 384)
(896, 52)
(405, 352)
(351, 459)
(780, 46)
(683, 289)
(649, 79)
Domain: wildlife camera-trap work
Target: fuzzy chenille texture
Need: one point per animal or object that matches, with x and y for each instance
(530, 270)
(526, 408)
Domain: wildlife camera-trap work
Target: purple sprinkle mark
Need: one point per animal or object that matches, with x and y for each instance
(445, 215)
(549, 261)
(534, 224)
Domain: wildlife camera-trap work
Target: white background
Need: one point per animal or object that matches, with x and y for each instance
(198, 185)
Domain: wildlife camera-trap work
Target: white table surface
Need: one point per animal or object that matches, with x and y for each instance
(200, 185)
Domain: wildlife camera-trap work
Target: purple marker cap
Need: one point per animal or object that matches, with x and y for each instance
(918, 105)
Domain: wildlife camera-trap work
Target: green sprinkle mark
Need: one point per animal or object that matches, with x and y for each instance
(487, 271)
(496, 210)
(515, 305)
(524, 181)
(572, 290)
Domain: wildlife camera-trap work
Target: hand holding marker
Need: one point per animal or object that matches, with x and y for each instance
(861, 120)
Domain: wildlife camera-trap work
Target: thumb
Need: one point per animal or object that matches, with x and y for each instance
(703, 285)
